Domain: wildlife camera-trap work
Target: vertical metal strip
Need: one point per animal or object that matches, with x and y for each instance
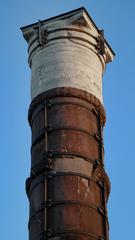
(103, 188)
(104, 216)
(46, 149)
(102, 204)
(101, 143)
(40, 33)
(105, 208)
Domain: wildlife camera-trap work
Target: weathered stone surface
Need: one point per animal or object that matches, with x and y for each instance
(69, 55)
(66, 66)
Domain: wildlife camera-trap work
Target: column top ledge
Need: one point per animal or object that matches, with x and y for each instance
(78, 18)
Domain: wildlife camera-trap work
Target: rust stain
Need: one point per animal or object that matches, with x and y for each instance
(73, 194)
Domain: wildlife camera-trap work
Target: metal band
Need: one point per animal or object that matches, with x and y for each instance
(51, 103)
(73, 29)
(96, 46)
(50, 234)
(36, 111)
(47, 161)
(68, 92)
(64, 37)
(50, 203)
(55, 154)
(73, 37)
(51, 174)
(64, 29)
(33, 50)
(48, 129)
(38, 139)
(42, 166)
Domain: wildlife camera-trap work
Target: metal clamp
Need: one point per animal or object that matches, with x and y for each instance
(46, 234)
(98, 162)
(101, 43)
(102, 238)
(101, 210)
(100, 183)
(42, 34)
(49, 203)
(48, 104)
(98, 137)
(45, 204)
(95, 111)
(49, 175)
(45, 163)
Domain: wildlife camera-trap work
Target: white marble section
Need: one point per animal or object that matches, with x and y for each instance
(65, 64)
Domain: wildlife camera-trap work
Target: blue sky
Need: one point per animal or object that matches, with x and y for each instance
(117, 19)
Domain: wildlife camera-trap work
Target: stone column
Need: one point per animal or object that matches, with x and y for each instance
(68, 187)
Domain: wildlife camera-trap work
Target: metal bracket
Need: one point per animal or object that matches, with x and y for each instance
(49, 233)
(42, 34)
(95, 111)
(47, 103)
(98, 137)
(101, 211)
(100, 183)
(49, 129)
(46, 234)
(50, 175)
(49, 203)
(45, 163)
(98, 162)
(101, 42)
(101, 238)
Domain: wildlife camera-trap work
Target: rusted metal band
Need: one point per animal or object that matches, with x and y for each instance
(51, 174)
(68, 92)
(61, 153)
(37, 110)
(51, 203)
(47, 161)
(50, 129)
(38, 139)
(52, 102)
(100, 171)
(51, 234)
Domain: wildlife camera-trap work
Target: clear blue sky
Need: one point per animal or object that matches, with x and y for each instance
(117, 18)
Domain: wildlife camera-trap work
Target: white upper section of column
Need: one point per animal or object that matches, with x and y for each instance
(67, 51)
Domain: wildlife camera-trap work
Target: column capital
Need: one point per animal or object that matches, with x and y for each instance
(67, 51)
